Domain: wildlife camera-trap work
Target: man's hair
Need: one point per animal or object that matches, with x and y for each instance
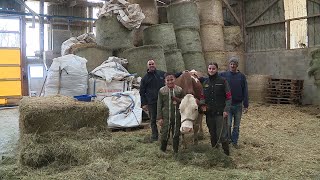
(213, 63)
(169, 74)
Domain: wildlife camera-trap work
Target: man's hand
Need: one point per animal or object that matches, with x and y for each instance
(145, 108)
(225, 114)
(245, 110)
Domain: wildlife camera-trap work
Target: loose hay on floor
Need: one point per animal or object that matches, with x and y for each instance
(42, 114)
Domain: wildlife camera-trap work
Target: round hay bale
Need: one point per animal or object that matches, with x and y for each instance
(149, 9)
(119, 52)
(240, 56)
(188, 40)
(93, 53)
(162, 11)
(219, 57)
(257, 87)
(233, 38)
(183, 15)
(212, 37)
(138, 35)
(210, 12)
(161, 34)
(112, 34)
(194, 60)
(138, 57)
(174, 61)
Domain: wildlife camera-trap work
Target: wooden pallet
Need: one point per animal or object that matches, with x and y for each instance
(128, 129)
(282, 100)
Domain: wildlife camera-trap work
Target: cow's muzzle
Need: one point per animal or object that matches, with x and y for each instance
(186, 130)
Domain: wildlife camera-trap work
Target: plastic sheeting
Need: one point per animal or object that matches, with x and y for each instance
(130, 15)
(124, 108)
(82, 39)
(67, 76)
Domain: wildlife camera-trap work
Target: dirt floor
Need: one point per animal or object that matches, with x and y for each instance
(9, 130)
(276, 142)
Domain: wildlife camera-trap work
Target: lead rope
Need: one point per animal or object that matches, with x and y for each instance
(168, 134)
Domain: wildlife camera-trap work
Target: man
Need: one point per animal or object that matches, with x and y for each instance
(150, 85)
(168, 113)
(239, 91)
(216, 105)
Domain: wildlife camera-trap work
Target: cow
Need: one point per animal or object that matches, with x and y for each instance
(191, 119)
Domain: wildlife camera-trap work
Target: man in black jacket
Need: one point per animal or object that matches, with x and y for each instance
(149, 89)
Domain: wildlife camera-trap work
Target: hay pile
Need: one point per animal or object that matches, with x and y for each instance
(56, 113)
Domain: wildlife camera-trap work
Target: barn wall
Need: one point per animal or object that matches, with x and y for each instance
(265, 37)
(292, 64)
(313, 8)
(228, 18)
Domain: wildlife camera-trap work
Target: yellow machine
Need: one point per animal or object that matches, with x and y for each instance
(10, 75)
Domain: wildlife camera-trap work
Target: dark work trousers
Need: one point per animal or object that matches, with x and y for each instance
(153, 118)
(217, 126)
(172, 127)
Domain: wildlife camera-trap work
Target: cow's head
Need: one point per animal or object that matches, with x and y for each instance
(189, 113)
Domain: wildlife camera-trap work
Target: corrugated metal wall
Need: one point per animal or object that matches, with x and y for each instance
(265, 37)
(313, 8)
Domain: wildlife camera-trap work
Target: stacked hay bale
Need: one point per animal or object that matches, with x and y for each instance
(59, 132)
(211, 32)
(314, 70)
(163, 34)
(233, 41)
(139, 56)
(93, 53)
(186, 23)
(257, 87)
(149, 8)
(111, 34)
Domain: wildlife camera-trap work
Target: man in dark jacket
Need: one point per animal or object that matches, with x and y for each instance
(216, 104)
(239, 91)
(149, 88)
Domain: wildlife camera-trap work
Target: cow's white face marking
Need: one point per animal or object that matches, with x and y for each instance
(189, 113)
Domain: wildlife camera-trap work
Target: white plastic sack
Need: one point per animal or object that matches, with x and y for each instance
(102, 89)
(130, 15)
(73, 76)
(110, 71)
(124, 109)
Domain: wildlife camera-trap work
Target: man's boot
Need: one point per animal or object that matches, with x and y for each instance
(175, 145)
(163, 146)
(225, 147)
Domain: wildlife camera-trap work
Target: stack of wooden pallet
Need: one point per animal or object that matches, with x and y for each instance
(284, 91)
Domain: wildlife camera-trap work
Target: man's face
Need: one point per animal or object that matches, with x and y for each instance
(233, 67)
(212, 70)
(170, 81)
(151, 65)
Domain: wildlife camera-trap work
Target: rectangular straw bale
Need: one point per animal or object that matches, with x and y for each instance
(53, 113)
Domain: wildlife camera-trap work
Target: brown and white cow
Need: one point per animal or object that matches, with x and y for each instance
(191, 119)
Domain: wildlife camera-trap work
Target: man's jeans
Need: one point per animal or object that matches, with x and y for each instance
(153, 119)
(235, 116)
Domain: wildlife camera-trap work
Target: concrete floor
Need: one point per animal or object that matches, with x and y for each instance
(9, 131)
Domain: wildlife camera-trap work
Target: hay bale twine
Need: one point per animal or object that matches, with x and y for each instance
(233, 40)
(194, 60)
(212, 37)
(149, 9)
(219, 57)
(188, 40)
(138, 35)
(162, 11)
(112, 34)
(183, 15)
(161, 34)
(257, 87)
(58, 113)
(174, 61)
(93, 53)
(138, 57)
(210, 12)
(240, 56)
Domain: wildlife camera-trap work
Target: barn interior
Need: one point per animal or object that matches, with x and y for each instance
(49, 132)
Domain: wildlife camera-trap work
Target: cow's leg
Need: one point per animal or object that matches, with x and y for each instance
(200, 133)
(184, 143)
